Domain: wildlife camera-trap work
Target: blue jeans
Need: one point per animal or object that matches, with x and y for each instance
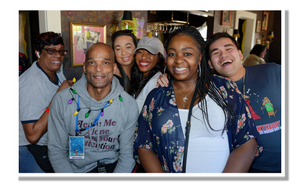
(27, 163)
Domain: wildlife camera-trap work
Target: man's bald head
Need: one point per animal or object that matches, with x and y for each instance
(100, 47)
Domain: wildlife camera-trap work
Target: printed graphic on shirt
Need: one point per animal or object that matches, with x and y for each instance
(266, 107)
(100, 136)
(269, 107)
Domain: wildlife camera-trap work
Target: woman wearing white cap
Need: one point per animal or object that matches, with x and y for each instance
(150, 60)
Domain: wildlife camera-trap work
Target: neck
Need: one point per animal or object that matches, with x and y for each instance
(97, 93)
(185, 86)
(239, 75)
(127, 70)
(51, 74)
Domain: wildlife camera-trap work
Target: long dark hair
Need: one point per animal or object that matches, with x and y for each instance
(126, 81)
(137, 75)
(206, 82)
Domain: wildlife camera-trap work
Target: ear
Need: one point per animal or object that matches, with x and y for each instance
(83, 67)
(37, 53)
(241, 54)
(210, 65)
(200, 58)
(115, 67)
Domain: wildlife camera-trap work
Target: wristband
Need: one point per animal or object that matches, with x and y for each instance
(47, 110)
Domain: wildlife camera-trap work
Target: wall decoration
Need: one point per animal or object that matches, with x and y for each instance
(264, 25)
(226, 18)
(258, 41)
(258, 26)
(83, 35)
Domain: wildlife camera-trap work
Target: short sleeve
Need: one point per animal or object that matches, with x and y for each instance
(243, 127)
(143, 137)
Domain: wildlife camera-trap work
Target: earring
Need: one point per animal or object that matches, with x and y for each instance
(199, 71)
(38, 54)
(165, 69)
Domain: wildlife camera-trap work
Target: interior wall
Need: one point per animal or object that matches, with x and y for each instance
(97, 17)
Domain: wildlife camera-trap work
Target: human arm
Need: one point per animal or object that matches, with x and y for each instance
(240, 159)
(149, 161)
(35, 130)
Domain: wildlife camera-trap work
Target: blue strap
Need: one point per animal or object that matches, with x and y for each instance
(77, 117)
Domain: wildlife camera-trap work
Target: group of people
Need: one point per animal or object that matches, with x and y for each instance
(115, 119)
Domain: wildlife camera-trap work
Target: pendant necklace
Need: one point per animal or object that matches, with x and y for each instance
(184, 98)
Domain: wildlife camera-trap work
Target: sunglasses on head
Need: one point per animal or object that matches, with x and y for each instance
(53, 51)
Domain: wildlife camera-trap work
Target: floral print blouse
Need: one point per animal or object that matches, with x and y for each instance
(159, 128)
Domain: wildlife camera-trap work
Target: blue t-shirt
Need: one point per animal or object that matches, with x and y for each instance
(263, 97)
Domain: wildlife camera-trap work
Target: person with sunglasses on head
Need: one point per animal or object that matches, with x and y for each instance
(37, 87)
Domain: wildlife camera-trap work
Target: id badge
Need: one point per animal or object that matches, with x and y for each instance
(76, 146)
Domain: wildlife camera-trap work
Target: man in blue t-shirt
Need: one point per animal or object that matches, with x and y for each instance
(260, 86)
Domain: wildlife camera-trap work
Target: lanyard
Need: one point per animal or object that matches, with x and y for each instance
(101, 113)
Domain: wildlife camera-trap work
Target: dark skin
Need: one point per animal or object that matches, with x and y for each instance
(182, 62)
(34, 131)
(99, 68)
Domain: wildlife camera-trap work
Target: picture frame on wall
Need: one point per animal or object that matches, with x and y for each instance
(264, 25)
(258, 26)
(82, 36)
(258, 41)
(226, 17)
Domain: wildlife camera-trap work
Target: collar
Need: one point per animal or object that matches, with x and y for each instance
(56, 83)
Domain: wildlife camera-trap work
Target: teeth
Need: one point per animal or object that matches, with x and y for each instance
(144, 63)
(56, 62)
(180, 69)
(228, 61)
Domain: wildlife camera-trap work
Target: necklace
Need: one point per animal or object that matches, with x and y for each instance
(244, 83)
(184, 98)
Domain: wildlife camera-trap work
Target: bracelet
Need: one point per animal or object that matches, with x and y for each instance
(47, 110)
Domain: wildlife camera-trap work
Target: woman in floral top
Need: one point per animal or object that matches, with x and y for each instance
(223, 137)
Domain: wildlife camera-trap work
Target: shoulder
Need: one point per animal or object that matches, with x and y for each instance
(153, 81)
(264, 67)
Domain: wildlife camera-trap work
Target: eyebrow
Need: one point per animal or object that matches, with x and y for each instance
(186, 48)
(227, 45)
(108, 59)
(120, 45)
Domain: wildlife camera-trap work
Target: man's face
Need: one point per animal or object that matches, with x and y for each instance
(225, 59)
(99, 66)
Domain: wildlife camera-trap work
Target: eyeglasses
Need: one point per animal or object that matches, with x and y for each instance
(52, 51)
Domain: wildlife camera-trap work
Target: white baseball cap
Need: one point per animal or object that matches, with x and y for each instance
(152, 44)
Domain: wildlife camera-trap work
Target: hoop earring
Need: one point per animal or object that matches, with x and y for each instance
(165, 69)
(199, 71)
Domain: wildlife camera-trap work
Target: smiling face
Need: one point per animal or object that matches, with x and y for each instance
(124, 47)
(99, 66)
(184, 58)
(145, 61)
(225, 58)
(51, 63)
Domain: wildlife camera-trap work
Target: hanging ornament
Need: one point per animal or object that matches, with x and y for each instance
(87, 114)
(120, 98)
(71, 100)
(74, 92)
(74, 80)
(102, 113)
(110, 100)
(76, 112)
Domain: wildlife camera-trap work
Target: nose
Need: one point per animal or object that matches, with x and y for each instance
(123, 51)
(57, 54)
(145, 55)
(179, 59)
(98, 67)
